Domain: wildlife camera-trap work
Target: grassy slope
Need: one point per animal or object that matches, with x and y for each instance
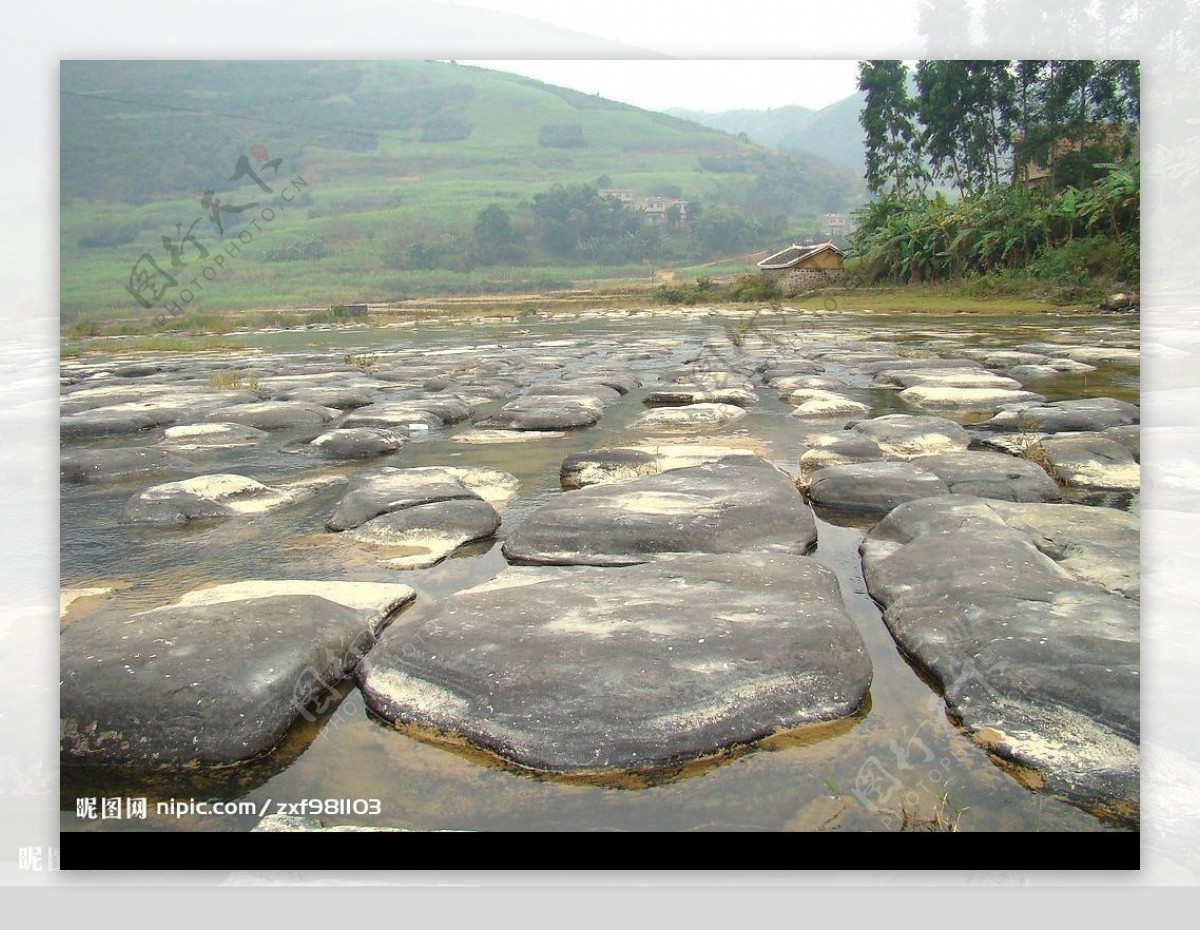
(369, 197)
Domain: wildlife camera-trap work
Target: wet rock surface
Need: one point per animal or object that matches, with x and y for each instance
(1038, 662)
(211, 497)
(616, 669)
(98, 465)
(217, 678)
(729, 506)
(699, 522)
(421, 536)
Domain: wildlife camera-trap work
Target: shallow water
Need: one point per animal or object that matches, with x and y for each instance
(901, 751)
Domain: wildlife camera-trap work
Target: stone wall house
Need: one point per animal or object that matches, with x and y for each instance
(799, 267)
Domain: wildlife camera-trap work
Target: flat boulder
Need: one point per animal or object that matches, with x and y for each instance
(90, 466)
(493, 437)
(422, 536)
(1085, 415)
(393, 415)
(605, 466)
(400, 488)
(601, 393)
(1090, 461)
(210, 497)
(992, 475)
(946, 377)
(603, 670)
(217, 678)
(363, 442)
(117, 419)
(1104, 355)
(680, 396)
(339, 398)
(205, 437)
(1037, 661)
(544, 412)
(689, 417)
(733, 505)
(965, 398)
(903, 436)
(274, 414)
(872, 487)
(825, 405)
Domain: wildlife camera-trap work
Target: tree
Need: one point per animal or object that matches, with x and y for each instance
(497, 241)
(893, 146)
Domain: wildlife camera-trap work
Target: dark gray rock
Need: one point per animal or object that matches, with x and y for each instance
(1087, 415)
(97, 465)
(393, 415)
(736, 505)
(901, 436)
(1128, 436)
(117, 419)
(396, 489)
(360, 443)
(620, 381)
(142, 370)
(545, 412)
(872, 487)
(274, 414)
(203, 437)
(600, 466)
(964, 377)
(338, 398)
(1091, 462)
(689, 418)
(680, 395)
(992, 475)
(421, 536)
(601, 393)
(216, 679)
(601, 670)
(907, 364)
(210, 497)
(1038, 664)
(845, 448)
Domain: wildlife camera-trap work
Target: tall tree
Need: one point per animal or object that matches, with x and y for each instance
(894, 162)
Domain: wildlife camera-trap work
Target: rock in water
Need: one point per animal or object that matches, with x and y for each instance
(418, 537)
(1011, 608)
(872, 487)
(606, 669)
(729, 506)
(98, 465)
(219, 496)
(689, 417)
(217, 678)
(273, 414)
(400, 488)
(358, 443)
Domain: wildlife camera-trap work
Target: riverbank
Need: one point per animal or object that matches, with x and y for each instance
(213, 331)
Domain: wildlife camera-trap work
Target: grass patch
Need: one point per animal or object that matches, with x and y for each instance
(365, 362)
(161, 344)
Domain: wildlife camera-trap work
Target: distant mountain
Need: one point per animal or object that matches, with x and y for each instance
(832, 132)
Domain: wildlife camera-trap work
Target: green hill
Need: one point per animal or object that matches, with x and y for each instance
(396, 161)
(832, 132)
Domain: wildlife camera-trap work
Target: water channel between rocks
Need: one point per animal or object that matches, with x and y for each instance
(901, 751)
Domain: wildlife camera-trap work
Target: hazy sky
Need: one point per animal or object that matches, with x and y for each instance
(713, 85)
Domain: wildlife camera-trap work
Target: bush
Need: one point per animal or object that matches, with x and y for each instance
(754, 288)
